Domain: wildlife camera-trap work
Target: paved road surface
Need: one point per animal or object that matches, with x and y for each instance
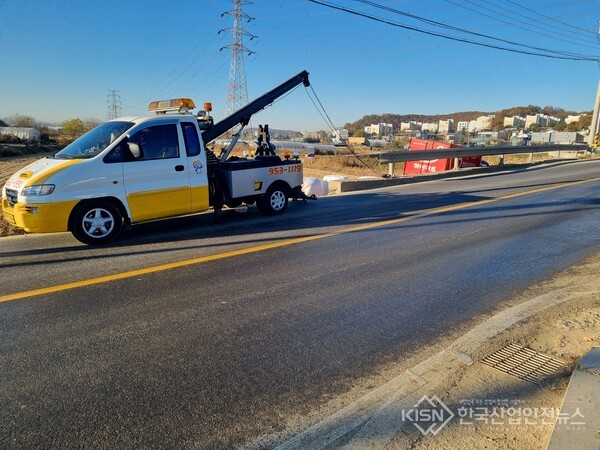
(211, 355)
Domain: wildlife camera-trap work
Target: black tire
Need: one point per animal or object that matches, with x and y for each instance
(275, 200)
(96, 222)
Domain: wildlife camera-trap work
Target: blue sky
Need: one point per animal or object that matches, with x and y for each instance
(58, 58)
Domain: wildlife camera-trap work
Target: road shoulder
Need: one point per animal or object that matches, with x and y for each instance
(559, 317)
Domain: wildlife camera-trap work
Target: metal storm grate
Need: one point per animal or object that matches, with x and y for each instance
(523, 363)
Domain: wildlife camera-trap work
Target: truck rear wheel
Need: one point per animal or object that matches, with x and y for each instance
(96, 222)
(275, 200)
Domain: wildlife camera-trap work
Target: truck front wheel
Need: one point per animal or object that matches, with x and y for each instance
(275, 200)
(96, 222)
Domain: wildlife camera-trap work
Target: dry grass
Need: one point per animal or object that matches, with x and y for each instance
(349, 165)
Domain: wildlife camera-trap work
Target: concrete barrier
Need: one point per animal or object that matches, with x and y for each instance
(340, 186)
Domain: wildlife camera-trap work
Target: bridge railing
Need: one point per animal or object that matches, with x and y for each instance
(423, 155)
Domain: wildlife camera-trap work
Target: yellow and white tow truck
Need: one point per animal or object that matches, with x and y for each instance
(136, 169)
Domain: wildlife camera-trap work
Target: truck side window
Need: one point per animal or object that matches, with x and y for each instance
(190, 136)
(157, 142)
(115, 155)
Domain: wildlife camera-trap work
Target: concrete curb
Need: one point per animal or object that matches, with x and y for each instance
(367, 420)
(581, 405)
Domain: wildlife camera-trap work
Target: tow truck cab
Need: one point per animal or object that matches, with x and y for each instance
(136, 169)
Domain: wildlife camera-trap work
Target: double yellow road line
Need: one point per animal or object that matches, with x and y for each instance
(278, 244)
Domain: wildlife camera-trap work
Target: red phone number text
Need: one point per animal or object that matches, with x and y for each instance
(286, 169)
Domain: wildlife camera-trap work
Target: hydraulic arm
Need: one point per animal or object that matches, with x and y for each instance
(243, 115)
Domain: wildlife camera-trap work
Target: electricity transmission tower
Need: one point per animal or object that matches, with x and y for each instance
(114, 104)
(237, 90)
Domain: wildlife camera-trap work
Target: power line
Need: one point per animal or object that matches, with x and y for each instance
(462, 30)
(156, 89)
(323, 113)
(209, 76)
(195, 72)
(329, 121)
(556, 55)
(588, 32)
(527, 28)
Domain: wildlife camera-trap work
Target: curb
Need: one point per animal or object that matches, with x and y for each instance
(582, 401)
(358, 423)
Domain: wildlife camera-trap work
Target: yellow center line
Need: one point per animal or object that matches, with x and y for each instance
(273, 245)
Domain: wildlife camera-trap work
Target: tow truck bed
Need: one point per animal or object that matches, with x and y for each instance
(251, 177)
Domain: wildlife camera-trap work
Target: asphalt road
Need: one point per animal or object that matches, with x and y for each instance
(216, 353)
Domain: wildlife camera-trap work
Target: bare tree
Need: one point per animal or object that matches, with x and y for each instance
(90, 124)
(20, 120)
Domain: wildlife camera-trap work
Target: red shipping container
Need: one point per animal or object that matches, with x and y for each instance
(436, 165)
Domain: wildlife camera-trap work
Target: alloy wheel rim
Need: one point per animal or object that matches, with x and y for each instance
(98, 223)
(277, 200)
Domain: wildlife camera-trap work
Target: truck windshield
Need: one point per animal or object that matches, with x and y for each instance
(94, 141)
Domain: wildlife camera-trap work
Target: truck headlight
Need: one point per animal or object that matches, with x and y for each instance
(39, 189)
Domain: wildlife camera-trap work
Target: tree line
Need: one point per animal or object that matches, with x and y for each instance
(71, 129)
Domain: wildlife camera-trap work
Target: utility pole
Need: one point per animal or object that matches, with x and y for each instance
(594, 124)
(113, 102)
(237, 90)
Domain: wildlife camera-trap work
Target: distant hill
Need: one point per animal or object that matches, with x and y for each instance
(395, 119)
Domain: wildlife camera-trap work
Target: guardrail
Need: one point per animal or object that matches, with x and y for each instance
(424, 155)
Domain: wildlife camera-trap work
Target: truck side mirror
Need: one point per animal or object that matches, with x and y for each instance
(135, 150)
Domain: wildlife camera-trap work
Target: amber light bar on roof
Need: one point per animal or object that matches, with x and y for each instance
(175, 104)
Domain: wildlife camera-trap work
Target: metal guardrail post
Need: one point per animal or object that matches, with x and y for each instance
(391, 169)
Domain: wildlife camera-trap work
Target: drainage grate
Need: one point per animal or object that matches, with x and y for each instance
(523, 363)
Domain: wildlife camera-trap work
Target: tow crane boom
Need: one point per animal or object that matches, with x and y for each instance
(243, 115)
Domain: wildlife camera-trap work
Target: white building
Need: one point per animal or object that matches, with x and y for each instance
(27, 134)
(514, 121)
(556, 137)
(542, 120)
(484, 122)
(536, 119)
(432, 127)
(341, 133)
(380, 129)
(446, 126)
(463, 125)
(573, 119)
(412, 125)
